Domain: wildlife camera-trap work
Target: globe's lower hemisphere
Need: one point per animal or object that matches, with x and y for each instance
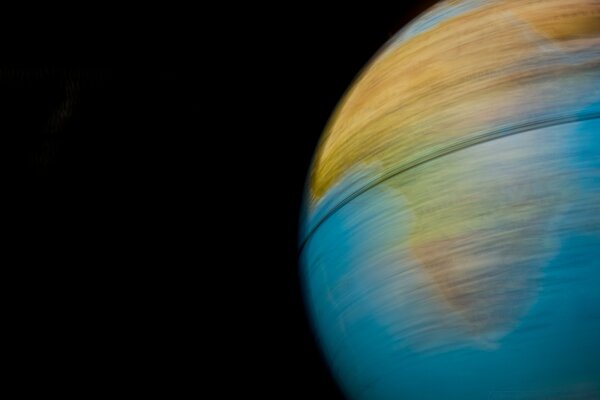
(472, 276)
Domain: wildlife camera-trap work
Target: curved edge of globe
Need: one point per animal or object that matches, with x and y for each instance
(434, 15)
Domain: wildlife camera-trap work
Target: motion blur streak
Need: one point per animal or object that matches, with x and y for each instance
(451, 229)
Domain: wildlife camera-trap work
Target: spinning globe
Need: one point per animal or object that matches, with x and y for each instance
(450, 237)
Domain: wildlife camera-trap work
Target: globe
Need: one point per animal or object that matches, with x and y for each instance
(450, 234)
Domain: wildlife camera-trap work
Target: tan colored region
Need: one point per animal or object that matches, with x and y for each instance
(496, 64)
(483, 277)
(569, 20)
(482, 227)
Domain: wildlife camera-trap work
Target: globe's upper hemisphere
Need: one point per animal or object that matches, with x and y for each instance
(500, 66)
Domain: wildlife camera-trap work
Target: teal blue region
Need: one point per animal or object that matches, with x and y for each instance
(384, 340)
(439, 13)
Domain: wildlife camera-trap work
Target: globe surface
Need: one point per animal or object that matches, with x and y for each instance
(450, 238)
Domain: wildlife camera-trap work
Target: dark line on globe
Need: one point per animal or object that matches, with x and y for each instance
(459, 145)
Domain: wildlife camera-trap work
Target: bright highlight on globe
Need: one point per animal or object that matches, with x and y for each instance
(450, 239)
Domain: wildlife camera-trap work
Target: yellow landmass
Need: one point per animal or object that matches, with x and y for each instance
(496, 64)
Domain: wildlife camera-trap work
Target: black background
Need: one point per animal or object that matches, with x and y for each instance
(151, 243)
